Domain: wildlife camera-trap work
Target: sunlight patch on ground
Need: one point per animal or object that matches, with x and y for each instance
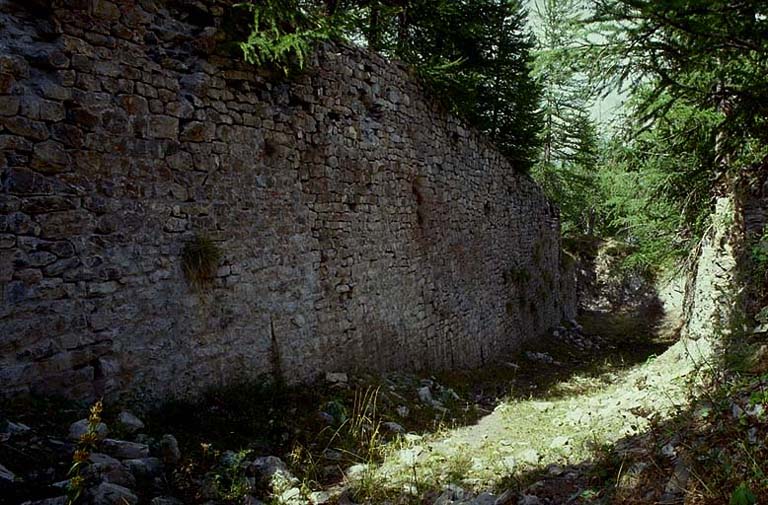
(525, 434)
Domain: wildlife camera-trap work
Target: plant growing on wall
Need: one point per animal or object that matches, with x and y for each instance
(200, 260)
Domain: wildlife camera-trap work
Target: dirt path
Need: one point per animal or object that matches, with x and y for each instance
(564, 426)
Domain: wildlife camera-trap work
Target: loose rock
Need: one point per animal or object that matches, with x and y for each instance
(169, 450)
(129, 422)
(80, 428)
(122, 449)
(112, 494)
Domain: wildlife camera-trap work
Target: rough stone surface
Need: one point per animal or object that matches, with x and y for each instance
(108, 469)
(80, 428)
(122, 449)
(6, 475)
(144, 468)
(711, 288)
(360, 225)
(129, 422)
(113, 494)
(169, 450)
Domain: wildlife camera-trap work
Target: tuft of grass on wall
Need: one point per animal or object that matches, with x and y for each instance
(200, 261)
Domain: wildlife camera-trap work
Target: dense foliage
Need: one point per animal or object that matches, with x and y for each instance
(711, 53)
(694, 76)
(473, 54)
(567, 166)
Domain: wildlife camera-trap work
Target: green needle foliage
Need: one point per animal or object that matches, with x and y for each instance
(283, 33)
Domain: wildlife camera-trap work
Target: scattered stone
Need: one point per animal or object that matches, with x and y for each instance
(169, 450)
(122, 449)
(446, 498)
(292, 496)
(505, 498)
(319, 497)
(447, 394)
(559, 442)
(336, 377)
(326, 417)
(678, 482)
(332, 455)
(755, 410)
(108, 469)
(144, 468)
(80, 428)
(402, 411)
(129, 422)
(540, 357)
(530, 456)
(393, 427)
(484, 499)
(272, 471)
(425, 395)
(554, 470)
(59, 500)
(12, 429)
(6, 476)
(669, 451)
(165, 500)
(528, 499)
(112, 494)
(355, 471)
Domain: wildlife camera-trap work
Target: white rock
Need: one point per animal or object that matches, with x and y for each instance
(80, 428)
(559, 442)
(393, 427)
(425, 395)
(143, 468)
(529, 456)
(336, 377)
(292, 496)
(505, 498)
(272, 471)
(165, 500)
(108, 469)
(319, 497)
(59, 500)
(129, 422)
(6, 475)
(484, 499)
(122, 449)
(112, 494)
(356, 470)
(169, 450)
(446, 498)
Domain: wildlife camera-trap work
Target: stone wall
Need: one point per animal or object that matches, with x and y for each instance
(360, 225)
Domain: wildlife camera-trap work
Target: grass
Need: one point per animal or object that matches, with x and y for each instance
(200, 261)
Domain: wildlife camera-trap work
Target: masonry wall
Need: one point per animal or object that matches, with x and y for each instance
(360, 225)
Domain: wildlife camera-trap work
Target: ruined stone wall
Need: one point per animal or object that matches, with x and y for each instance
(360, 225)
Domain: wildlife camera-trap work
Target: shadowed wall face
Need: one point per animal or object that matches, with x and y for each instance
(358, 224)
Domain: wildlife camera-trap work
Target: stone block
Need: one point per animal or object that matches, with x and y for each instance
(163, 127)
(9, 105)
